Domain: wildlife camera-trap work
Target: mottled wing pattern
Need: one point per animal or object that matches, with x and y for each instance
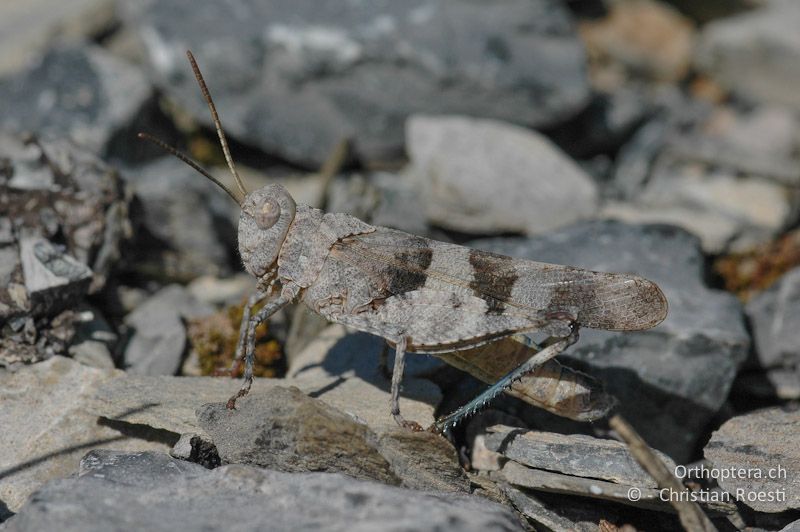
(399, 262)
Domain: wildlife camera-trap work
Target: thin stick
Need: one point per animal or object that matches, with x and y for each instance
(332, 165)
(185, 158)
(222, 140)
(691, 515)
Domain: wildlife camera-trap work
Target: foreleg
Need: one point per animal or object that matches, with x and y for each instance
(254, 299)
(250, 344)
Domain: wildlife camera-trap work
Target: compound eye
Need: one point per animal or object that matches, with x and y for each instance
(267, 214)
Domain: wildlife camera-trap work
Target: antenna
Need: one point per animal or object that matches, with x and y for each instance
(222, 140)
(185, 158)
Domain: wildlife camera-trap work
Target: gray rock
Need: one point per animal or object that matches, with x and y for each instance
(55, 191)
(577, 454)
(286, 430)
(727, 212)
(222, 291)
(398, 204)
(481, 458)
(14, 300)
(6, 231)
(9, 262)
(27, 28)
(162, 402)
(605, 124)
(356, 195)
(77, 92)
(550, 518)
(159, 335)
(187, 223)
(759, 454)
(480, 176)
(359, 389)
(46, 403)
(547, 481)
(162, 493)
(26, 340)
(346, 366)
(725, 174)
(380, 198)
(197, 449)
(791, 527)
(755, 54)
(774, 385)
(670, 380)
(580, 514)
(756, 142)
(775, 318)
(635, 159)
(95, 341)
(305, 326)
(785, 383)
(423, 460)
(53, 279)
(295, 78)
(768, 131)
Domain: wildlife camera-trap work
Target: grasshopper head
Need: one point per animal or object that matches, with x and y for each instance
(266, 213)
(266, 216)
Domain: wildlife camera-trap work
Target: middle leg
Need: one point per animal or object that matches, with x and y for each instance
(397, 377)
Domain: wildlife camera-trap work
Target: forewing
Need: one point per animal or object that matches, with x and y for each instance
(399, 262)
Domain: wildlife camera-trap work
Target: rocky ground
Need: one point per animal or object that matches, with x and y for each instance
(660, 138)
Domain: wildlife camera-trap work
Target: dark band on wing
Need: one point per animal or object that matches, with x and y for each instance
(493, 278)
(400, 280)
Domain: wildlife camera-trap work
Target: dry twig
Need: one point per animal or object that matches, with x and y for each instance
(691, 515)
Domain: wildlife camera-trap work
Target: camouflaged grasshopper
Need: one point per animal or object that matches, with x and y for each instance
(421, 295)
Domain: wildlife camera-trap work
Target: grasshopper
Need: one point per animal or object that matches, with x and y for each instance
(420, 295)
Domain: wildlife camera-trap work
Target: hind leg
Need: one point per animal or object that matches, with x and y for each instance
(554, 347)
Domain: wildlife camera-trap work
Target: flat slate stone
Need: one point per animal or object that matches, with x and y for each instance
(575, 454)
(759, 456)
(160, 493)
(648, 498)
(46, 427)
